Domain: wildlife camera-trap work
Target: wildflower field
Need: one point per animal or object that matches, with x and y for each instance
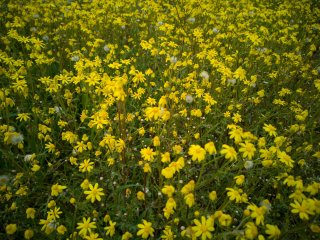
(168, 119)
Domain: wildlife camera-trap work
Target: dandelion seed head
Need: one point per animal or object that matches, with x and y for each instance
(173, 59)
(204, 75)
(106, 48)
(248, 165)
(75, 58)
(215, 30)
(189, 99)
(191, 19)
(4, 179)
(16, 139)
(45, 38)
(232, 81)
(27, 157)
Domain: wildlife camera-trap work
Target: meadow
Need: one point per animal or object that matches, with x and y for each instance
(186, 119)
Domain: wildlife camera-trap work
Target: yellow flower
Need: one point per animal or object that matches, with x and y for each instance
(94, 193)
(189, 199)
(270, 129)
(239, 179)
(237, 117)
(273, 231)
(147, 154)
(167, 233)
(313, 188)
(178, 165)
(73, 161)
(69, 136)
(152, 113)
(146, 229)
(80, 147)
(196, 113)
(97, 153)
(315, 228)
(210, 148)
(11, 229)
(146, 168)
(13, 138)
(257, 213)
(50, 147)
(225, 219)
(165, 115)
(168, 172)
(22, 191)
(213, 195)
(297, 195)
(30, 213)
(229, 152)
(35, 167)
(203, 228)
(95, 214)
(168, 190)
(285, 158)
(251, 231)
(196, 213)
(189, 233)
(72, 200)
(226, 114)
(171, 203)
(304, 209)
(56, 189)
(140, 196)
(62, 124)
(86, 166)
(93, 236)
(262, 142)
(189, 187)
(156, 141)
(86, 226)
(51, 204)
(61, 229)
(128, 192)
(126, 236)
(197, 135)
(167, 211)
(85, 184)
(316, 155)
(165, 157)
(266, 153)
(234, 194)
(107, 218)
(28, 234)
(240, 73)
(267, 163)
(197, 152)
(110, 161)
(141, 131)
(246, 212)
(247, 149)
(54, 213)
(289, 181)
(23, 117)
(110, 229)
(177, 149)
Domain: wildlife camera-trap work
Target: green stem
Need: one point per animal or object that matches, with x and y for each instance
(201, 172)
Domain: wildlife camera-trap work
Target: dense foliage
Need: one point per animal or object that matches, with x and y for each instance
(187, 119)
